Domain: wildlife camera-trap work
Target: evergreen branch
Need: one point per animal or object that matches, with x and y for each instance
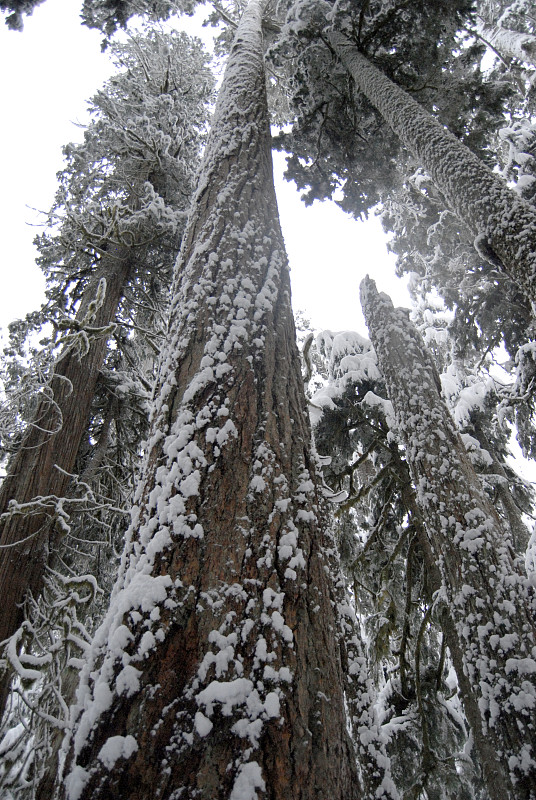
(477, 35)
(224, 15)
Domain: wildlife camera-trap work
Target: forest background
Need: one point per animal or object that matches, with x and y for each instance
(51, 72)
(429, 685)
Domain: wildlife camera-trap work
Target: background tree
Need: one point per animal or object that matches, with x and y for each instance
(412, 648)
(508, 27)
(494, 215)
(481, 571)
(114, 232)
(106, 15)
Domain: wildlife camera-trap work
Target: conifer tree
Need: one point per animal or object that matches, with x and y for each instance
(219, 668)
(122, 207)
(491, 211)
(383, 55)
(412, 645)
(508, 27)
(487, 594)
(106, 15)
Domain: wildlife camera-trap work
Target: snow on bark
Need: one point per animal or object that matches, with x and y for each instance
(110, 227)
(510, 43)
(32, 491)
(479, 197)
(490, 599)
(220, 662)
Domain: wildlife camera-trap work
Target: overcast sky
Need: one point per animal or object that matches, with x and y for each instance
(48, 72)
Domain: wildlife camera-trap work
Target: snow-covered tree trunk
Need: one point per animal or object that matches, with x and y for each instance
(485, 750)
(490, 600)
(511, 44)
(35, 486)
(218, 670)
(501, 221)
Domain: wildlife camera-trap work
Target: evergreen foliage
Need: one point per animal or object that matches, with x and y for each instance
(106, 15)
(127, 186)
(339, 141)
(15, 9)
(412, 707)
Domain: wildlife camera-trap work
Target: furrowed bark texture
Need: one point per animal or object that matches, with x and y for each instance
(218, 671)
(40, 473)
(490, 601)
(487, 756)
(480, 198)
(511, 44)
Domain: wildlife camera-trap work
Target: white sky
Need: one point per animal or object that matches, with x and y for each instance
(49, 71)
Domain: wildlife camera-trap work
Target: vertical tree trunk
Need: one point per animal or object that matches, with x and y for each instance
(511, 44)
(480, 198)
(490, 601)
(218, 671)
(492, 773)
(44, 463)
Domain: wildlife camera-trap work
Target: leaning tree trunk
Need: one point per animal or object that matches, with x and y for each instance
(496, 215)
(490, 601)
(218, 670)
(40, 473)
(511, 44)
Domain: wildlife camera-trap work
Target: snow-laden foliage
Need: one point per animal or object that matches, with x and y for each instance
(106, 15)
(339, 140)
(125, 189)
(381, 538)
(489, 597)
(128, 184)
(515, 15)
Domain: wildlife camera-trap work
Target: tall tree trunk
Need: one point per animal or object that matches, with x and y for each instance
(496, 215)
(41, 471)
(511, 44)
(487, 757)
(491, 602)
(218, 671)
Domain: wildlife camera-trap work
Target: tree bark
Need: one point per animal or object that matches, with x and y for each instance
(479, 197)
(41, 471)
(490, 601)
(219, 671)
(487, 756)
(511, 44)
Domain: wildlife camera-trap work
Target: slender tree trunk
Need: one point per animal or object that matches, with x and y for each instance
(504, 499)
(487, 757)
(510, 44)
(218, 671)
(490, 601)
(479, 197)
(41, 471)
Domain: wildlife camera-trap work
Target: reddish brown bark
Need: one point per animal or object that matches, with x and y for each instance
(45, 461)
(226, 606)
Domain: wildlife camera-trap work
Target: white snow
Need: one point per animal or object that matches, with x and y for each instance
(248, 780)
(117, 747)
(202, 724)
